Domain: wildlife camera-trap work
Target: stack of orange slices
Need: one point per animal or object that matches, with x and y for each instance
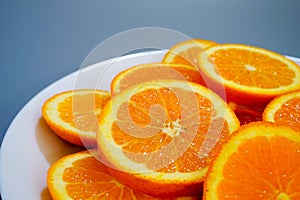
(167, 129)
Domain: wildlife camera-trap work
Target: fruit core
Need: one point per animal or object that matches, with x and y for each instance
(172, 128)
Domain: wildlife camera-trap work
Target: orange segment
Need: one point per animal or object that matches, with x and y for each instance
(251, 76)
(259, 161)
(163, 134)
(284, 110)
(154, 71)
(82, 176)
(72, 115)
(186, 52)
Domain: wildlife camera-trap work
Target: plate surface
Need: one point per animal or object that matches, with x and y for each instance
(29, 146)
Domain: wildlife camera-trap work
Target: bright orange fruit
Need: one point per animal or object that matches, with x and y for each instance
(186, 52)
(154, 71)
(72, 115)
(285, 110)
(82, 176)
(251, 76)
(258, 161)
(160, 137)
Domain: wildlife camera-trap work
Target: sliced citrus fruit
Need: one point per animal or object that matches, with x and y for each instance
(251, 75)
(258, 161)
(82, 176)
(285, 110)
(154, 71)
(72, 115)
(186, 52)
(160, 136)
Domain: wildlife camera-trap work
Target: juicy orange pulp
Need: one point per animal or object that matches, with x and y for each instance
(252, 69)
(82, 176)
(80, 110)
(284, 110)
(173, 131)
(164, 134)
(251, 76)
(289, 114)
(73, 115)
(259, 161)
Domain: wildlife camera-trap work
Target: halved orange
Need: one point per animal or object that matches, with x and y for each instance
(72, 115)
(154, 71)
(82, 176)
(258, 161)
(186, 52)
(285, 110)
(160, 136)
(250, 75)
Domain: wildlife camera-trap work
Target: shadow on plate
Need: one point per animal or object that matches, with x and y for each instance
(45, 195)
(52, 148)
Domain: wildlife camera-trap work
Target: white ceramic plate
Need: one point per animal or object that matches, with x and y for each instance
(29, 146)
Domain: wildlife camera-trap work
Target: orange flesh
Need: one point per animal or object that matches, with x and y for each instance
(81, 111)
(289, 113)
(88, 178)
(252, 69)
(246, 176)
(180, 132)
(154, 73)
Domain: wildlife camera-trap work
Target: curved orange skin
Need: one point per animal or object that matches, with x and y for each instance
(257, 101)
(240, 95)
(185, 52)
(64, 133)
(284, 110)
(154, 71)
(161, 189)
(70, 136)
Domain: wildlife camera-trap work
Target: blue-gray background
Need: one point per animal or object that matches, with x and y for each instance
(42, 41)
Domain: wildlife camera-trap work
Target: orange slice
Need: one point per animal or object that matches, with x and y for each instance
(251, 76)
(82, 176)
(154, 71)
(259, 161)
(72, 115)
(186, 52)
(160, 137)
(285, 110)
